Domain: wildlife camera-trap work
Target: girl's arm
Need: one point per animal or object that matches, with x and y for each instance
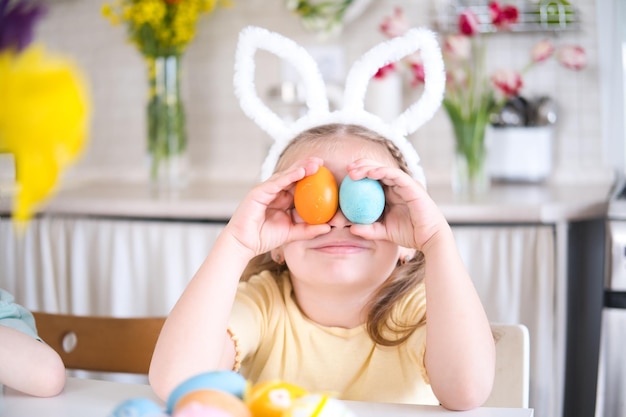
(194, 337)
(28, 365)
(460, 350)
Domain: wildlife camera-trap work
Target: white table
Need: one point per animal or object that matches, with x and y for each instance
(91, 398)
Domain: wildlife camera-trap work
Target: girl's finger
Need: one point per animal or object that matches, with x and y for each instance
(303, 231)
(283, 201)
(361, 167)
(394, 179)
(375, 170)
(266, 192)
(374, 231)
(310, 166)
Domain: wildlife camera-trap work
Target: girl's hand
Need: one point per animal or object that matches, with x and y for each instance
(263, 220)
(411, 218)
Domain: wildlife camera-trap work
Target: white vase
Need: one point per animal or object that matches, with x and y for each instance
(384, 96)
(519, 154)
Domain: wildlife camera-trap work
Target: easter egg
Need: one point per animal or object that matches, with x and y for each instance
(318, 405)
(228, 381)
(200, 410)
(361, 201)
(138, 407)
(232, 405)
(272, 398)
(316, 197)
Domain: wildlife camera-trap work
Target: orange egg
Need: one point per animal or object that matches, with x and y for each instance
(214, 398)
(272, 398)
(316, 197)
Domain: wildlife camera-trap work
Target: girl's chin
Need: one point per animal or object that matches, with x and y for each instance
(346, 274)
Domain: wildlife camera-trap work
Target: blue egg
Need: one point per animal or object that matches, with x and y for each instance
(227, 381)
(138, 407)
(361, 201)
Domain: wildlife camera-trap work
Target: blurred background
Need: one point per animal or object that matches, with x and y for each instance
(224, 145)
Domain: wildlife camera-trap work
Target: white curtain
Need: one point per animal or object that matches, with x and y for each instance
(102, 266)
(514, 271)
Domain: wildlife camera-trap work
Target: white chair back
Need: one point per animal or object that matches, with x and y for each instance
(511, 384)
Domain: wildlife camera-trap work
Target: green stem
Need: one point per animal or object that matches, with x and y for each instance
(166, 117)
(469, 132)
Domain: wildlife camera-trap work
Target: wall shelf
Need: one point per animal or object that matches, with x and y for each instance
(542, 16)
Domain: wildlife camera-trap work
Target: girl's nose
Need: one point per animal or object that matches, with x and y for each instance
(339, 220)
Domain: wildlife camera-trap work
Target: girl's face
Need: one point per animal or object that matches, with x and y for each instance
(340, 259)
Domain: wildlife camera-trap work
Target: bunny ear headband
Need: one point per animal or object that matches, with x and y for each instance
(353, 112)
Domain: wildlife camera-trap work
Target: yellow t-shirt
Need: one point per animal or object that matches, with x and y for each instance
(277, 342)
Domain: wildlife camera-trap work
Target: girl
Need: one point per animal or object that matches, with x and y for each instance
(380, 312)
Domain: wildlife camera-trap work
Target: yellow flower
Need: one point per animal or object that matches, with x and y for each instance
(107, 11)
(160, 27)
(111, 11)
(148, 11)
(44, 115)
(207, 6)
(185, 22)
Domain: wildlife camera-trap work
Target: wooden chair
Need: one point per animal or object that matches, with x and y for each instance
(511, 384)
(101, 344)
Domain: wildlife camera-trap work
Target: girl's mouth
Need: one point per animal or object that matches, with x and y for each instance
(341, 248)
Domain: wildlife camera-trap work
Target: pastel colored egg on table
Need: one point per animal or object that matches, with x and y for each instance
(227, 381)
(200, 410)
(361, 201)
(316, 197)
(233, 406)
(318, 405)
(138, 407)
(272, 398)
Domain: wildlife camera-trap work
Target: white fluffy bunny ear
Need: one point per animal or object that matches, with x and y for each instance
(253, 38)
(357, 82)
(391, 51)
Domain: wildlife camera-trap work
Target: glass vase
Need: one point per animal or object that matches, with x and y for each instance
(167, 137)
(469, 175)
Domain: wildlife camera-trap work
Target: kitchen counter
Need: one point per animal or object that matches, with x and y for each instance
(206, 201)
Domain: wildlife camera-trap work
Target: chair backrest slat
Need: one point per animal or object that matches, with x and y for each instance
(103, 344)
(512, 380)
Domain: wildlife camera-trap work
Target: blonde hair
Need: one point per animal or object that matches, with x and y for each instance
(404, 278)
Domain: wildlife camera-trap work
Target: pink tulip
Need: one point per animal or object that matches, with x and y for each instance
(503, 17)
(457, 47)
(507, 81)
(456, 79)
(395, 25)
(468, 23)
(416, 66)
(417, 71)
(383, 71)
(572, 57)
(542, 51)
